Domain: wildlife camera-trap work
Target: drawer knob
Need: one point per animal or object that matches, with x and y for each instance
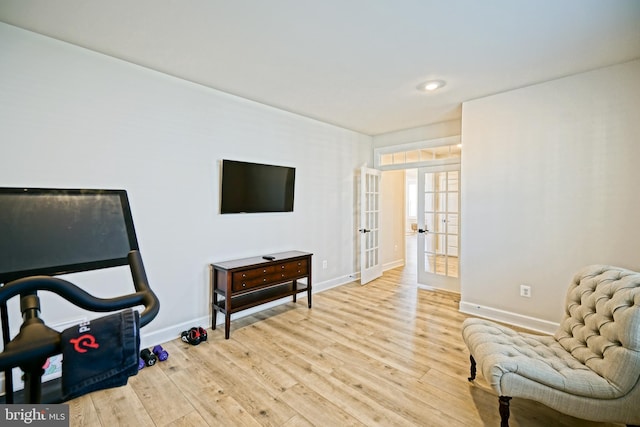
(244, 285)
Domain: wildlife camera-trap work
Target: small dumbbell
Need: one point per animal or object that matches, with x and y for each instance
(160, 353)
(148, 357)
(141, 363)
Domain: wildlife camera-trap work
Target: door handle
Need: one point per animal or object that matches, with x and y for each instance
(420, 230)
(364, 230)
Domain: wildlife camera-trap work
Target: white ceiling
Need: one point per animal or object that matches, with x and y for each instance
(352, 63)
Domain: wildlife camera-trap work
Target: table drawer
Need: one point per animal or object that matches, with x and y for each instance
(253, 273)
(292, 268)
(264, 276)
(251, 278)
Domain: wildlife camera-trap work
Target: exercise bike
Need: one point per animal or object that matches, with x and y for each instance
(48, 232)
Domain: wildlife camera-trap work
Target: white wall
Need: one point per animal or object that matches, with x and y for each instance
(550, 181)
(73, 118)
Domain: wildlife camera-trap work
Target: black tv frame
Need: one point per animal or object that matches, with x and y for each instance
(73, 267)
(226, 188)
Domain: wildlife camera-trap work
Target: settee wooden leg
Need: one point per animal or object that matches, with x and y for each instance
(473, 369)
(504, 410)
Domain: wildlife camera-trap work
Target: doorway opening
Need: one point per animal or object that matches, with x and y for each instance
(432, 208)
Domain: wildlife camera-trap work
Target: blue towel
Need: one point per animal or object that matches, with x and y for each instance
(101, 353)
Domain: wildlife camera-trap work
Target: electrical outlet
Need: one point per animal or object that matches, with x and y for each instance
(525, 291)
(324, 264)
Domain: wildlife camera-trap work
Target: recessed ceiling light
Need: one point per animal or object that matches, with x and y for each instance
(431, 85)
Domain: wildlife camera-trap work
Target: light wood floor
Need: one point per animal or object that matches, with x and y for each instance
(383, 354)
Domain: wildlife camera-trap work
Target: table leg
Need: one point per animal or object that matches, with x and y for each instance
(214, 303)
(214, 316)
(309, 285)
(295, 290)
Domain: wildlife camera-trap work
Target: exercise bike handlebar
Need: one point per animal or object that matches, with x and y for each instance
(143, 296)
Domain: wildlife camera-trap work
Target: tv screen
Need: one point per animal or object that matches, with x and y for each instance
(253, 187)
(56, 231)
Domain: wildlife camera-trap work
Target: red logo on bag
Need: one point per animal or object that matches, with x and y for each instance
(86, 340)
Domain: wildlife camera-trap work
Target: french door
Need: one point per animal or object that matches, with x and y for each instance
(369, 230)
(439, 227)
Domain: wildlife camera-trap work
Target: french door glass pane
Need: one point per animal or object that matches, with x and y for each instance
(441, 203)
(430, 243)
(441, 222)
(428, 182)
(452, 201)
(452, 223)
(429, 219)
(442, 181)
(441, 243)
(430, 263)
(429, 205)
(452, 181)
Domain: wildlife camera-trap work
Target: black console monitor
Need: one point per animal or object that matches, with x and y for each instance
(57, 231)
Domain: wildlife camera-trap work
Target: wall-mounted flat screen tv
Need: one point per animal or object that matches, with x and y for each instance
(55, 231)
(254, 187)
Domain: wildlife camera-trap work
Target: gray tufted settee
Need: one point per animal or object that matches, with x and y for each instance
(590, 368)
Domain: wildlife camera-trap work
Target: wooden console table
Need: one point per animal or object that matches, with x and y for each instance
(244, 283)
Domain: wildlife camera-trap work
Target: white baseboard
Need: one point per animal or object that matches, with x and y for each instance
(393, 264)
(531, 323)
(172, 332)
(338, 281)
